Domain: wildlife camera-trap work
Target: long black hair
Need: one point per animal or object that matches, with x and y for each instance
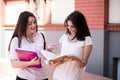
(21, 26)
(79, 22)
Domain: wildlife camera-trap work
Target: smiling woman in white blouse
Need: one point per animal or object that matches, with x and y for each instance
(26, 37)
(77, 45)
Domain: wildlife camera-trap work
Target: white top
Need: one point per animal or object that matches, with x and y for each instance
(30, 73)
(71, 70)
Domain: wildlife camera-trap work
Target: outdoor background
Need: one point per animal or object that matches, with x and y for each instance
(102, 16)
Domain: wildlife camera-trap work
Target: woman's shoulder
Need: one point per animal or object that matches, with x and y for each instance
(64, 35)
(88, 40)
(14, 40)
(88, 37)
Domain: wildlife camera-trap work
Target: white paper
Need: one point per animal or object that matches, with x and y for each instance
(48, 55)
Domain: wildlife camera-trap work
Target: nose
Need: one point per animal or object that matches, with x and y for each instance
(69, 27)
(33, 25)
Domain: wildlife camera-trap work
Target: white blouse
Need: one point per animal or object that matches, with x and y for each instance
(30, 73)
(71, 70)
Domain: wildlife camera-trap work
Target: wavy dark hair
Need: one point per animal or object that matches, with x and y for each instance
(21, 26)
(79, 22)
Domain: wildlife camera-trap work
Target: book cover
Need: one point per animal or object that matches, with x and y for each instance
(25, 55)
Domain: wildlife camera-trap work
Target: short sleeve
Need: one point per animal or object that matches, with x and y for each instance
(13, 46)
(61, 38)
(88, 40)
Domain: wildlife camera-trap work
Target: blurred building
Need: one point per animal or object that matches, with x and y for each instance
(102, 16)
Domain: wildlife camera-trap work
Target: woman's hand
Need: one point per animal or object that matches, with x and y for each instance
(35, 61)
(60, 60)
(81, 62)
(52, 46)
(23, 64)
(55, 63)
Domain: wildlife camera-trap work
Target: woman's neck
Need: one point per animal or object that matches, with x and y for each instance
(30, 38)
(71, 38)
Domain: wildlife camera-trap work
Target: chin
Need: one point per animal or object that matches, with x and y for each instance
(32, 32)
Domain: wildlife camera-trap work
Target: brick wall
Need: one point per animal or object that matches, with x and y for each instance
(94, 12)
(97, 13)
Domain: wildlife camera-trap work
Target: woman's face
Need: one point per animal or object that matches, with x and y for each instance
(31, 26)
(71, 27)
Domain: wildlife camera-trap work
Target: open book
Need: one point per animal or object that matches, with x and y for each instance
(53, 57)
(25, 55)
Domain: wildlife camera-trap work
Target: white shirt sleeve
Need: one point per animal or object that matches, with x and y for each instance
(13, 46)
(61, 38)
(88, 40)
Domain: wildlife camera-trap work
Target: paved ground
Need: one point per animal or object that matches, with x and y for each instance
(8, 73)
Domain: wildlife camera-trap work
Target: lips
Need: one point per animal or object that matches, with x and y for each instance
(32, 28)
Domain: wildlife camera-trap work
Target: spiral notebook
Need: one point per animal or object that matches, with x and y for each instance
(25, 55)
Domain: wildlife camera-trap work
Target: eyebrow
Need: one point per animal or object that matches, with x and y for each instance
(71, 26)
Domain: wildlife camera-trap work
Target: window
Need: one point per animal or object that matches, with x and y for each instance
(53, 11)
(12, 10)
(114, 11)
(60, 9)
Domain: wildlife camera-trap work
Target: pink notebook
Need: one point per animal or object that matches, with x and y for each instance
(25, 55)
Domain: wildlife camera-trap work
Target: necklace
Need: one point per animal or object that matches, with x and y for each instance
(71, 40)
(30, 39)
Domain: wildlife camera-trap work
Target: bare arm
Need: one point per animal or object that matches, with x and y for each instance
(86, 55)
(22, 64)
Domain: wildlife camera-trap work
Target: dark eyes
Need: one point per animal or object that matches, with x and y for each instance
(30, 23)
(71, 26)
